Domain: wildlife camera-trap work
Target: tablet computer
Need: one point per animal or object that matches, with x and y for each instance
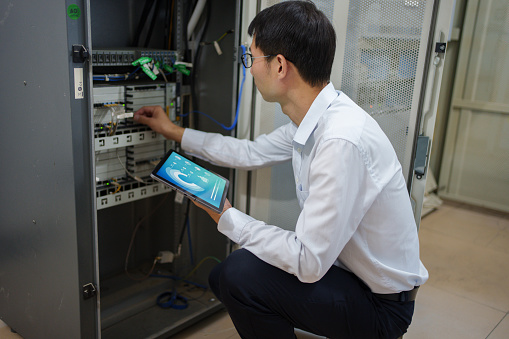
(195, 182)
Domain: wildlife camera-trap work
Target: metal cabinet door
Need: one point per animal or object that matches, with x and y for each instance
(47, 251)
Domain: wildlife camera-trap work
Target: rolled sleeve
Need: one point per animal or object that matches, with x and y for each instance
(232, 222)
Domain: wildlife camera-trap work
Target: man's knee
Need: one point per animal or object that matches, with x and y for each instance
(239, 271)
(227, 272)
(214, 280)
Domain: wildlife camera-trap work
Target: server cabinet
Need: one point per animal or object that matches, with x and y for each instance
(156, 219)
(83, 228)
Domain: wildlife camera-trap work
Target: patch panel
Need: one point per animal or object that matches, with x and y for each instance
(125, 57)
(107, 197)
(124, 140)
(109, 164)
(123, 149)
(142, 95)
(104, 95)
(145, 152)
(142, 159)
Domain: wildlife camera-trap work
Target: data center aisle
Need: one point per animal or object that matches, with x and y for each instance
(466, 251)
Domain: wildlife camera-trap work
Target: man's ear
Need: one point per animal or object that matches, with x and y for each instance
(282, 65)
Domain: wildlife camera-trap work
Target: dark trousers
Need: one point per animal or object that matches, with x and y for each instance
(266, 302)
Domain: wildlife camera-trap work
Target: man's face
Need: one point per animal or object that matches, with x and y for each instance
(262, 74)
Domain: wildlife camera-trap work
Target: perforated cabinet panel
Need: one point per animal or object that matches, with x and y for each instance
(380, 61)
(283, 208)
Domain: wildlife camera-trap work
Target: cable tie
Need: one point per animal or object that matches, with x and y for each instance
(162, 73)
(148, 71)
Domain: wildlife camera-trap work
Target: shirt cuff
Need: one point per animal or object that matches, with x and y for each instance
(193, 141)
(232, 223)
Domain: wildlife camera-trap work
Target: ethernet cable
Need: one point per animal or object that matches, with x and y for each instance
(216, 42)
(115, 111)
(172, 299)
(227, 128)
(135, 177)
(133, 236)
(119, 187)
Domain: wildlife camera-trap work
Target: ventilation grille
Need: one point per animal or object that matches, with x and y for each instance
(380, 62)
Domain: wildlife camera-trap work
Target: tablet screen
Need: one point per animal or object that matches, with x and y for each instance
(193, 180)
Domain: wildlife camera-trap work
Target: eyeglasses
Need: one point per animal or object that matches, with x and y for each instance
(247, 59)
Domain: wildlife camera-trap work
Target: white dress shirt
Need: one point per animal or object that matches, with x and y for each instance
(355, 207)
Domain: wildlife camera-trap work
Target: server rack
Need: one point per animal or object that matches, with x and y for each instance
(84, 224)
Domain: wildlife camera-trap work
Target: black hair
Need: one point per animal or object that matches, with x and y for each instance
(302, 33)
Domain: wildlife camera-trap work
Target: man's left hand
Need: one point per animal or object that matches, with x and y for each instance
(213, 214)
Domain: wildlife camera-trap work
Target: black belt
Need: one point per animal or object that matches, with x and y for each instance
(401, 296)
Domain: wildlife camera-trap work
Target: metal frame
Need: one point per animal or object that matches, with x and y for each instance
(428, 103)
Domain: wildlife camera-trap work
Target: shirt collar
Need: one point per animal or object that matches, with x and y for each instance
(318, 107)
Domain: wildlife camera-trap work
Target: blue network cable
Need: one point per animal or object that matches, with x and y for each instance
(228, 128)
(189, 241)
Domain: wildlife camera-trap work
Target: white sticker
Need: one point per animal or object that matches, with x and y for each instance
(79, 93)
(179, 197)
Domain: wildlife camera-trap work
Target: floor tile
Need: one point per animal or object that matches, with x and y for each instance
(468, 225)
(502, 330)
(501, 242)
(217, 326)
(464, 269)
(5, 332)
(440, 314)
(220, 326)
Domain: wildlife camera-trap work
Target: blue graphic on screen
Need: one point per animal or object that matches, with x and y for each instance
(193, 178)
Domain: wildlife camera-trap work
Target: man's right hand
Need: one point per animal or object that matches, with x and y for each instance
(155, 118)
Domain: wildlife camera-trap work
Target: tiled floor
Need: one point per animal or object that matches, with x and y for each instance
(466, 251)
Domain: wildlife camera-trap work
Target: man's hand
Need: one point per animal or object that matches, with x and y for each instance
(155, 118)
(214, 215)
